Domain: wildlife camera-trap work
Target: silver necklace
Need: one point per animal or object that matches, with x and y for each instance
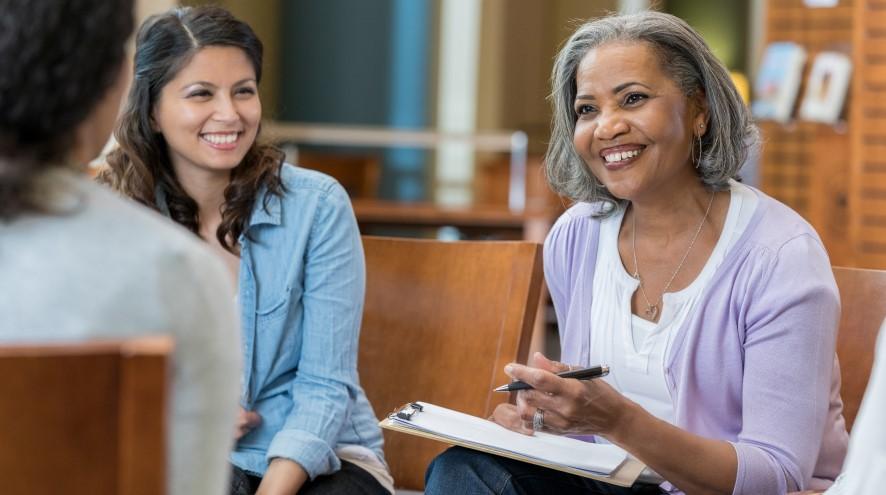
(652, 309)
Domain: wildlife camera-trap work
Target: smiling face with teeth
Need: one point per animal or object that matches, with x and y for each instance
(210, 111)
(634, 126)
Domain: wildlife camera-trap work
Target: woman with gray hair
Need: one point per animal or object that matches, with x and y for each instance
(713, 304)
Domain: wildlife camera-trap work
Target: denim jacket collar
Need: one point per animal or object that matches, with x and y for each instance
(267, 210)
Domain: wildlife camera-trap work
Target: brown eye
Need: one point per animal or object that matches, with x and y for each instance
(200, 93)
(585, 109)
(634, 98)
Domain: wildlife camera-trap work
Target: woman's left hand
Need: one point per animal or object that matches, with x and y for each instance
(569, 405)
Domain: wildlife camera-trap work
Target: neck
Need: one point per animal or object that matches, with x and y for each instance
(669, 214)
(207, 189)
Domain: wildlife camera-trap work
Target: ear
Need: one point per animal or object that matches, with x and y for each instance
(699, 110)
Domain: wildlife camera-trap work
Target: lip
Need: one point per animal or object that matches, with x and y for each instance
(221, 146)
(618, 165)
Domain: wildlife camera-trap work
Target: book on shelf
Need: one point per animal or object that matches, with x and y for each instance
(778, 81)
(826, 88)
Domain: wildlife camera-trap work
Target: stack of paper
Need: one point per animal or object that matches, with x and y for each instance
(597, 461)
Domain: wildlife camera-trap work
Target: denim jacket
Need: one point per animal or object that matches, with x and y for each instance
(301, 286)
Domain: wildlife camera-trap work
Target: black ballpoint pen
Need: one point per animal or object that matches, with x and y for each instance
(582, 374)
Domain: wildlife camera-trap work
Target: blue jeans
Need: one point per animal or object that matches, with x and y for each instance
(469, 472)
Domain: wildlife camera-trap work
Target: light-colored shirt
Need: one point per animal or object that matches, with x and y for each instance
(100, 266)
(864, 472)
(302, 280)
(635, 348)
(754, 364)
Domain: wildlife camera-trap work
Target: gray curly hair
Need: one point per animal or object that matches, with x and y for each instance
(688, 60)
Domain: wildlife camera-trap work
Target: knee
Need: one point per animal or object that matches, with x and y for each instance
(465, 471)
(452, 460)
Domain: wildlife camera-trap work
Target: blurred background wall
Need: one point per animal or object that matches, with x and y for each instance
(452, 65)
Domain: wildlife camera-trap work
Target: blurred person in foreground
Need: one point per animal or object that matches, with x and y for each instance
(288, 236)
(77, 261)
(864, 472)
(713, 304)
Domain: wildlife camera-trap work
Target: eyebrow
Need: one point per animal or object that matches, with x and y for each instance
(207, 83)
(618, 89)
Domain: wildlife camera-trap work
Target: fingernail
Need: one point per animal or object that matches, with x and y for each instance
(509, 369)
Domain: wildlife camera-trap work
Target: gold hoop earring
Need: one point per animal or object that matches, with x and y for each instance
(697, 159)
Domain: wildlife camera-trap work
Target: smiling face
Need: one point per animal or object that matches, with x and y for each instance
(210, 112)
(634, 126)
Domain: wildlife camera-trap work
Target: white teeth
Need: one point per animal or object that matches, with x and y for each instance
(221, 138)
(619, 156)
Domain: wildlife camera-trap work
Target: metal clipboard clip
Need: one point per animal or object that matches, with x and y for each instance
(408, 410)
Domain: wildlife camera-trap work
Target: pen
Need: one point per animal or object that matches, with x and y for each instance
(582, 374)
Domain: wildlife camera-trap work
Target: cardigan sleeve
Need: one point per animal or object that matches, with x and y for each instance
(789, 344)
(569, 253)
(557, 266)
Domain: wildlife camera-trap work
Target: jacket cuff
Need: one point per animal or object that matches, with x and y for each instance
(314, 455)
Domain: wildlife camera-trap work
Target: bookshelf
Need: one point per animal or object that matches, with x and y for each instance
(835, 176)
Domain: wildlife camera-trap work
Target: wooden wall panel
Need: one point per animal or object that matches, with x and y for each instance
(803, 164)
(867, 185)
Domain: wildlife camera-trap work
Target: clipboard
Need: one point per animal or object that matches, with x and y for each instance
(602, 462)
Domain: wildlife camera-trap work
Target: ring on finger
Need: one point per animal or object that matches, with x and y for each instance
(538, 420)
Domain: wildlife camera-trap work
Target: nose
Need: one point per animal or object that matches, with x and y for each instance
(610, 125)
(225, 110)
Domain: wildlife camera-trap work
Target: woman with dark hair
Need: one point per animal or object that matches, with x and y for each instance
(77, 261)
(713, 304)
(288, 237)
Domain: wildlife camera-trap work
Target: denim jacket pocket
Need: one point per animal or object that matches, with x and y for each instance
(278, 307)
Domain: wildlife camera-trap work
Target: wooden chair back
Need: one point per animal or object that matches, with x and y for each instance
(84, 418)
(441, 320)
(863, 300)
(358, 174)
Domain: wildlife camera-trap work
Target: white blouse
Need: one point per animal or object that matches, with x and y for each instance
(634, 348)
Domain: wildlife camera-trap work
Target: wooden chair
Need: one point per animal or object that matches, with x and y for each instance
(863, 298)
(84, 418)
(440, 322)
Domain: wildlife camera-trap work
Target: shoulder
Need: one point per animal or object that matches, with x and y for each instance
(309, 201)
(309, 190)
(783, 257)
(775, 227)
(303, 181)
(577, 225)
(136, 233)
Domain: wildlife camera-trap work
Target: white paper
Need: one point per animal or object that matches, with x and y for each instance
(599, 459)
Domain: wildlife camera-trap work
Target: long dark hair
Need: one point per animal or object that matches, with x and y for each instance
(58, 59)
(140, 166)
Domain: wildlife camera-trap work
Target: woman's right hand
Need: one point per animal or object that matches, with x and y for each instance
(246, 421)
(507, 415)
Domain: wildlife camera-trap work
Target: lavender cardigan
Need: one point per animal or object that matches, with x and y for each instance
(755, 365)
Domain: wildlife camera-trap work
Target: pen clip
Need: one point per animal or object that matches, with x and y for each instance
(408, 410)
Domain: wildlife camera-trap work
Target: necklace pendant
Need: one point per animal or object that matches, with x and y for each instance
(651, 311)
